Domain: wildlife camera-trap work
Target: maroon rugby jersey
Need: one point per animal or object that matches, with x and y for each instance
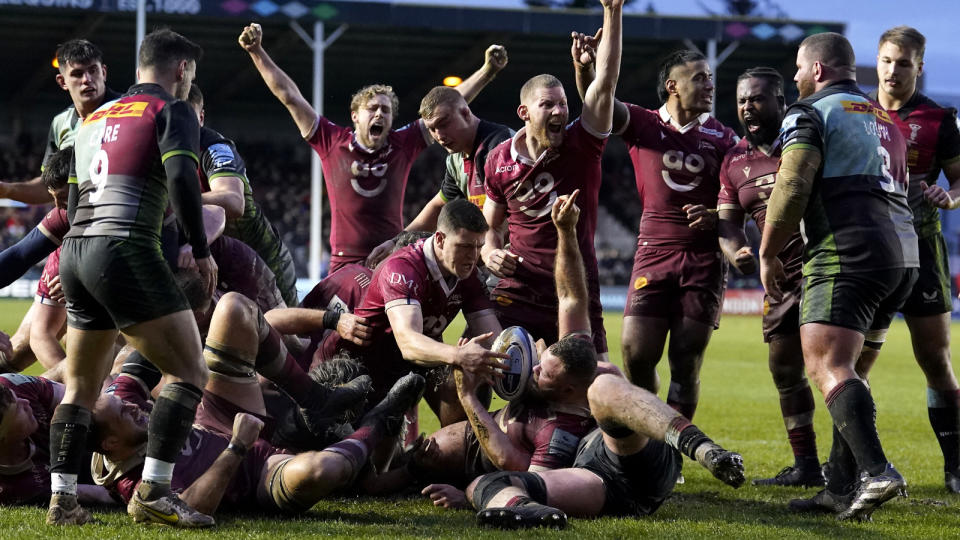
(674, 167)
(747, 178)
(55, 225)
(51, 269)
(365, 187)
(549, 433)
(528, 189)
(341, 291)
(29, 482)
(241, 270)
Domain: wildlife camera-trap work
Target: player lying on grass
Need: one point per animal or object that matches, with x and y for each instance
(626, 467)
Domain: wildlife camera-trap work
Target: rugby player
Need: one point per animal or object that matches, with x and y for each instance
(626, 467)
(545, 159)
(224, 182)
(128, 153)
(840, 150)
(414, 294)
(81, 73)
(539, 431)
(676, 287)
(747, 175)
(933, 144)
(365, 168)
(468, 140)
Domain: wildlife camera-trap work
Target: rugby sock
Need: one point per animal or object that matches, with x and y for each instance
(275, 363)
(683, 399)
(355, 449)
(855, 417)
(68, 440)
(685, 437)
(943, 408)
(841, 470)
(170, 423)
(797, 406)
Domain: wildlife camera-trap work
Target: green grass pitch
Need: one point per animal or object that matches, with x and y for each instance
(738, 408)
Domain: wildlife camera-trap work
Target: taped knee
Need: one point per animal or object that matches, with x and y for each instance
(489, 485)
(226, 361)
(875, 338)
(282, 495)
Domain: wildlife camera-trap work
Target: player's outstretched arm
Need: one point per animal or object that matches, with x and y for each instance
(18, 258)
(599, 97)
(289, 321)
(583, 50)
(494, 60)
(569, 273)
(494, 443)
(279, 83)
(29, 192)
(406, 321)
(206, 492)
(733, 241)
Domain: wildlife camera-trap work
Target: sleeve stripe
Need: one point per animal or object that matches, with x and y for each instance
(48, 234)
(222, 174)
(401, 302)
(728, 206)
(170, 154)
(443, 197)
(72, 180)
(799, 146)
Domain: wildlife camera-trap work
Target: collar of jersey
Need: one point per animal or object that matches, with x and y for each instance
(515, 154)
(434, 268)
(665, 116)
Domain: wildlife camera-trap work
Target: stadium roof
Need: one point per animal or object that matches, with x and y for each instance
(408, 46)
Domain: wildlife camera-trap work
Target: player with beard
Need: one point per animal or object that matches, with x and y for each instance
(128, 154)
(365, 168)
(548, 158)
(676, 287)
(840, 150)
(933, 144)
(747, 176)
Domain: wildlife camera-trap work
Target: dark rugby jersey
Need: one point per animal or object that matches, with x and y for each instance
(747, 177)
(120, 151)
(29, 482)
(549, 432)
(933, 141)
(63, 127)
(528, 190)
(857, 219)
(675, 167)
(219, 157)
(365, 187)
(464, 178)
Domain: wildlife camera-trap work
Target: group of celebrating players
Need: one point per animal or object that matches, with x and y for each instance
(193, 378)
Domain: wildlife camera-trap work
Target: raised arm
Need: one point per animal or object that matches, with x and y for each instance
(494, 60)
(495, 444)
(30, 192)
(279, 83)
(583, 50)
(599, 96)
(574, 312)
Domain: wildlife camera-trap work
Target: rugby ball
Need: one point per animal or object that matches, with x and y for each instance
(519, 345)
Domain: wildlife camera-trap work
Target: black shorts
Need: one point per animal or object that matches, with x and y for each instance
(859, 301)
(635, 485)
(931, 294)
(115, 283)
(475, 462)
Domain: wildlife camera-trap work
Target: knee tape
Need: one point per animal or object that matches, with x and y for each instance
(281, 495)
(228, 361)
(874, 339)
(490, 484)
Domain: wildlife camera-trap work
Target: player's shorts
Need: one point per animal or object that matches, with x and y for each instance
(931, 294)
(216, 414)
(859, 301)
(635, 485)
(541, 321)
(670, 283)
(115, 283)
(475, 462)
(782, 317)
(51, 269)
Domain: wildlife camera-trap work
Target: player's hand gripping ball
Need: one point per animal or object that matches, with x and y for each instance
(521, 347)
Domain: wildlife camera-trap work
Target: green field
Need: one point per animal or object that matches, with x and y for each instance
(738, 408)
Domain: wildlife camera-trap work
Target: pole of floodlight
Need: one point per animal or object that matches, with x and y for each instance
(316, 173)
(141, 31)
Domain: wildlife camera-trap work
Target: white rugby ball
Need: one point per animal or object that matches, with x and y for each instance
(522, 349)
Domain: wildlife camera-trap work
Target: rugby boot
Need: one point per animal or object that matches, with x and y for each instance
(952, 481)
(874, 491)
(824, 502)
(389, 413)
(65, 510)
(168, 509)
(724, 465)
(794, 476)
(329, 406)
(522, 516)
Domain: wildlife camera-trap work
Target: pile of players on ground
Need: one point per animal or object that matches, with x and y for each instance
(193, 379)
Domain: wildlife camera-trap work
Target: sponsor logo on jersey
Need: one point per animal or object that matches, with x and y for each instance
(865, 107)
(914, 129)
(132, 109)
(707, 145)
(508, 168)
(503, 300)
(221, 154)
(640, 282)
(715, 132)
(396, 278)
(746, 171)
(478, 200)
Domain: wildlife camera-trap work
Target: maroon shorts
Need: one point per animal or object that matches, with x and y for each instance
(668, 283)
(541, 321)
(783, 318)
(216, 414)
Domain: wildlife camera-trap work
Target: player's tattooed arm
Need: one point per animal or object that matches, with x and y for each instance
(496, 445)
(494, 60)
(279, 83)
(733, 241)
(570, 275)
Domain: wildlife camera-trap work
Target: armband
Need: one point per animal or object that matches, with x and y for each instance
(237, 448)
(330, 319)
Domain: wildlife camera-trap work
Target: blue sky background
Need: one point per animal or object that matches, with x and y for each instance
(937, 19)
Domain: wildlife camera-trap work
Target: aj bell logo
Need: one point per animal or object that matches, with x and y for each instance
(396, 278)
